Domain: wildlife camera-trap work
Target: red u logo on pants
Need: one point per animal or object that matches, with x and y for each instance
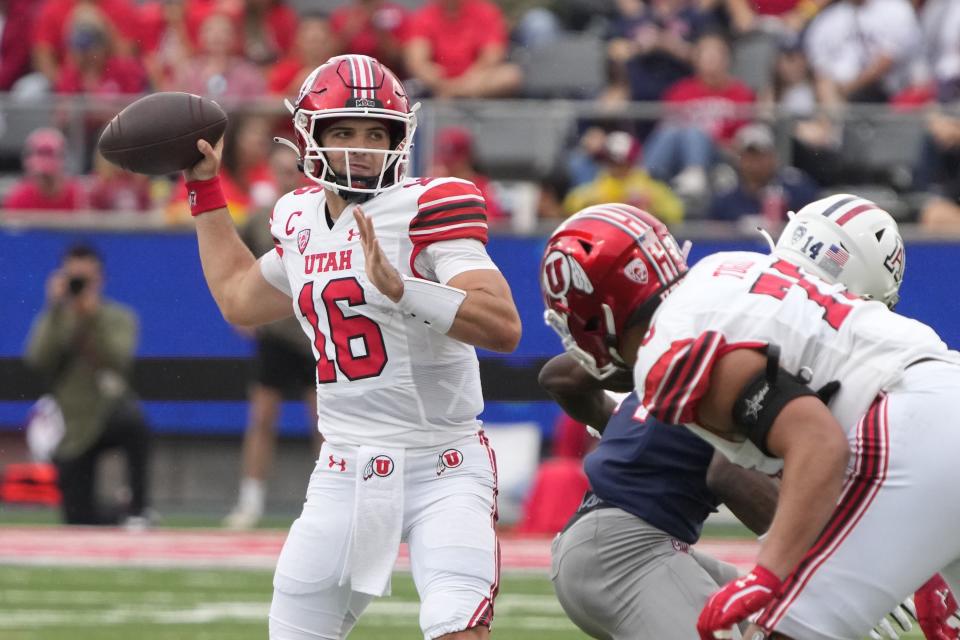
(449, 459)
(378, 466)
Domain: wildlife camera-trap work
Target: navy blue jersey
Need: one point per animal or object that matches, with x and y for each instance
(653, 470)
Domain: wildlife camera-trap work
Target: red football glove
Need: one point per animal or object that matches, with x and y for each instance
(735, 601)
(937, 610)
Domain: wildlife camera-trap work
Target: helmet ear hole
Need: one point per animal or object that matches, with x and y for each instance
(591, 325)
(587, 247)
(879, 234)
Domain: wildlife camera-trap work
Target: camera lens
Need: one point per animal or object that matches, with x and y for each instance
(76, 284)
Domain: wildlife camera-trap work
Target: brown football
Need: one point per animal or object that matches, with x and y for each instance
(158, 133)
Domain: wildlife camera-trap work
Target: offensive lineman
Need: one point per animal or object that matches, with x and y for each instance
(390, 280)
(652, 486)
(734, 348)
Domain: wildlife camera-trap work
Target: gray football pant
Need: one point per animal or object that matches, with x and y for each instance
(619, 578)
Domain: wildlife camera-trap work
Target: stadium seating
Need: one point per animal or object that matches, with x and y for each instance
(572, 66)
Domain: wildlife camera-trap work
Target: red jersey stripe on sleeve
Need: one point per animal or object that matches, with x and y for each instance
(445, 192)
(449, 203)
(679, 378)
(448, 211)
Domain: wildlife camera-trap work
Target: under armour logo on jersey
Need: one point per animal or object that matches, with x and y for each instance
(352, 234)
(337, 463)
(745, 580)
(449, 459)
(381, 466)
(303, 239)
(943, 594)
(680, 546)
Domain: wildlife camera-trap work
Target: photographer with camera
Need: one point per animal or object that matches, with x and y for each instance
(83, 346)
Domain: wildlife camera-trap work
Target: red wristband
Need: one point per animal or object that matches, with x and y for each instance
(205, 195)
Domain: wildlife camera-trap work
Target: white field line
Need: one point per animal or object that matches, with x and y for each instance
(517, 611)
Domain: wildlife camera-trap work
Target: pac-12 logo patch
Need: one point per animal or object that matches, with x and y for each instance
(636, 270)
(303, 239)
(449, 459)
(378, 466)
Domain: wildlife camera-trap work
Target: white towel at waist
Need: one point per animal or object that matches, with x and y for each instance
(377, 520)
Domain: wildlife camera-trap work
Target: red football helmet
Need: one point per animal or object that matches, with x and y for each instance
(352, 86)
(601, 268)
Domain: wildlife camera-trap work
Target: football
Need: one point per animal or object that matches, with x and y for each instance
(158, 133)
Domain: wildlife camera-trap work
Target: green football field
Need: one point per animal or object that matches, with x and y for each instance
(61, 603)
(57, 603)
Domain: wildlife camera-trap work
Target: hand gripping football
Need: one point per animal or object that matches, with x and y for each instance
(158, 133)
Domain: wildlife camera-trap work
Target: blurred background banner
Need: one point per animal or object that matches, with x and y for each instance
(192, 367)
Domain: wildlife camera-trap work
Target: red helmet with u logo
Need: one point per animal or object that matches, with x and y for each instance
(603, 268)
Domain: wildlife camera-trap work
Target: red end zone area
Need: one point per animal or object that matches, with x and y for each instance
(89, 546)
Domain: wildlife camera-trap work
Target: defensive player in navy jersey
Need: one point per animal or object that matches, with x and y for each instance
(623, 567)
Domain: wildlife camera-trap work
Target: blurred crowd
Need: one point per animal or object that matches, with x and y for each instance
(755, 95)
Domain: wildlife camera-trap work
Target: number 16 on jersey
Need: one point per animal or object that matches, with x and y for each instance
(358, 346)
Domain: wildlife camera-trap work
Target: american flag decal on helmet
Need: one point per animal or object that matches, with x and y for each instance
(838, 254)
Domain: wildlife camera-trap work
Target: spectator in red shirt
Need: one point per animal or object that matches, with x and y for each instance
(91, 67)
(113, 189)
(776, 17)
(314, 44)
(453, 156)
(268, 30)
(458, 49)
(52, 29)
(703, 113)
(17, 18)
(374, 28)
(166, 42)
(46, 186)
(218, 72)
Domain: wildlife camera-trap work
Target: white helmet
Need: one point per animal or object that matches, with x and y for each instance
(847, 239)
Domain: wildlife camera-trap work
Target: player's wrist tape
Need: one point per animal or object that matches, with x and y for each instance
(434, 303)
(205, 195)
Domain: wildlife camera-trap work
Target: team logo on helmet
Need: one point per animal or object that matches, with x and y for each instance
(303, 238)
(894, 262)
(561, 272)
(798, 234)
(449, 459)
(378, 466)
(636, 270)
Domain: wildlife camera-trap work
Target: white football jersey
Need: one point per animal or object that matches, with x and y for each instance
(741, 299)
(382, 376)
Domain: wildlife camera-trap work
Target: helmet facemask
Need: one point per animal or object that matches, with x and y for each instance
(603, 337)
(393, 161)
(352, 87)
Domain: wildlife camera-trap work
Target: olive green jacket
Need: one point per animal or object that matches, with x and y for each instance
(86, 362)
